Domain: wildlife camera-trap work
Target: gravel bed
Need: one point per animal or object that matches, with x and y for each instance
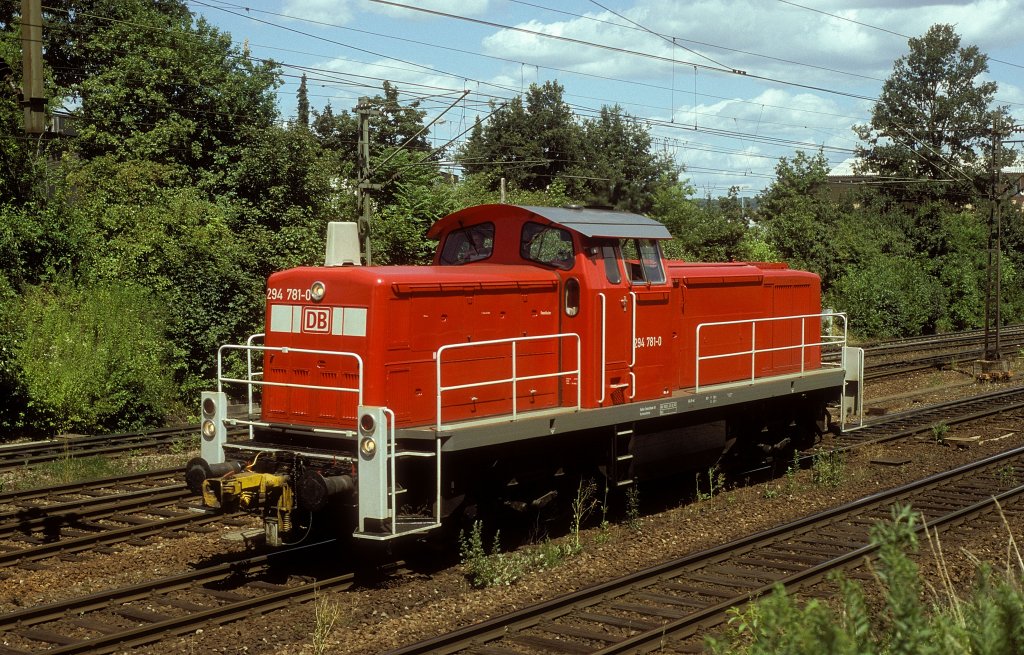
(432, 600)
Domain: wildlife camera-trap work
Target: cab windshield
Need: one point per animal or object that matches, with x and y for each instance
(642, 258)
(469, 244)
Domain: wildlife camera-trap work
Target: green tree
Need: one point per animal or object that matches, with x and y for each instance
(618, 165)
(154, 84)
(395, 124)
(933, 120)
(22, 158)
(708, 231)
(889, 296)
(336, 132)
(529, 141)
(303, 103)
(535, 140)
(800, 218)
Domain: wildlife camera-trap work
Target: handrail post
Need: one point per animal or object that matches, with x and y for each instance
(632, 346)
(250, 380)
(696, 368)
(220, 369)
(389, 452)
(513, 379)
(579, 374)
(604, 353)
(803, 342)
(753, 350)
(440, 389)
(823, 341)
(515, 385)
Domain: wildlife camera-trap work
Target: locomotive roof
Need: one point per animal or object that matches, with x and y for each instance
(586, 221)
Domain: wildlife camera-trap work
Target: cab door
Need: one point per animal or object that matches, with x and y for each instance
(613, 328)
(653, 324)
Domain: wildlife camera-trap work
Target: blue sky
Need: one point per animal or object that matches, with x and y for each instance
(727, 87)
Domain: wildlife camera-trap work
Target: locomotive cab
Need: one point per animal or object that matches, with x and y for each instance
(542, 343)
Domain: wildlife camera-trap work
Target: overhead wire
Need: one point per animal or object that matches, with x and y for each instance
(876, 27)
(578, 109)
(327, 80)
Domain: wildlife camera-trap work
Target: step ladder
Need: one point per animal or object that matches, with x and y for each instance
(379, 491)
(621, 458)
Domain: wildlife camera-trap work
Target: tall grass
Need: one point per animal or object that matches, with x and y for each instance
(916, 618)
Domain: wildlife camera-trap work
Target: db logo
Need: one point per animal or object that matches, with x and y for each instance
(316, 319)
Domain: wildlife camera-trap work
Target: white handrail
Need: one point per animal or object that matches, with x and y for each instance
(632, 344)
(389, 452)
(825, 341)
(604, 344)
(514, 380)
(252, 375)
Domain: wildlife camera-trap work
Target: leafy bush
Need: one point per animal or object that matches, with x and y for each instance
(94, 358)
(889, 296)
(828, 468)
(497, 569)
(985, 621)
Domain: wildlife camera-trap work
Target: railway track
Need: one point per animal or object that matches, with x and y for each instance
(19, 455)
(42, 523)
(660, 606)
(120, 619)
(905, 356)
(1010, 336)
(924, 419)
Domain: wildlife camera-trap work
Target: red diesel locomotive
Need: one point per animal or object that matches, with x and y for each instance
(542, 345)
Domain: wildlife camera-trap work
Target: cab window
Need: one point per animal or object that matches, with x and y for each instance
(642, 259)
(611, 264)
(469, 244)
(548, 245)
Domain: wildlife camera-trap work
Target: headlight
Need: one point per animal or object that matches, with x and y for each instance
(209, 429)
(317, 291)
(368, 447)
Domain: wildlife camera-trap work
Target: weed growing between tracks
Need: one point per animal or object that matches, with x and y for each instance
(916, 617)
(327, 612)
(69, 469)
(828, 468)
(492, 569)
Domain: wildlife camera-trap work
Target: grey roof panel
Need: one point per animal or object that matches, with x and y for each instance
(603, 222)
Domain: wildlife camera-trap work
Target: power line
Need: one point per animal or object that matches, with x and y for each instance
(626, 51)
(875, 27)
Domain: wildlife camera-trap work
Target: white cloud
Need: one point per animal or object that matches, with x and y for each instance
(735, 32)
(337, 12)
(459, 7)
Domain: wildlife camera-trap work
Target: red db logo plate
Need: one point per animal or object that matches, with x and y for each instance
(316, 319)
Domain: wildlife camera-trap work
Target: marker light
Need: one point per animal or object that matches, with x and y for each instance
(317, 291)
(367, 423)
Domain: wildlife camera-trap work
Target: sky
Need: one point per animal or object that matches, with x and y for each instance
(726, 87)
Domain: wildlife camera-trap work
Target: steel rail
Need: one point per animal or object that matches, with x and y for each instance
(9, 497)
(493, 631)
(104, 538)
(18, 456)
(154, 626)
(715, 615)
(903, 424)
(68, 513)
